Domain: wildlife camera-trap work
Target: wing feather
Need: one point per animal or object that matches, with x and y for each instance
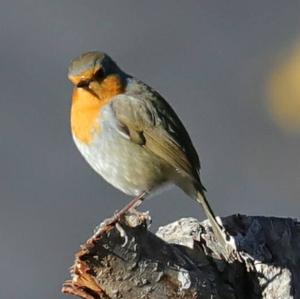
(151, 122)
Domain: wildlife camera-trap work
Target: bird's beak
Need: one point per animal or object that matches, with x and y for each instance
(93, 87)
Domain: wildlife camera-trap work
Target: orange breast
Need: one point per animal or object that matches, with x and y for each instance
(86, 107)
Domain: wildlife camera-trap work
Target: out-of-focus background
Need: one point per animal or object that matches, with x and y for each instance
(231, 69)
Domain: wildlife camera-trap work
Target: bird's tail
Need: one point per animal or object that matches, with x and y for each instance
(227, 242)
(197, 191)
(201, 198)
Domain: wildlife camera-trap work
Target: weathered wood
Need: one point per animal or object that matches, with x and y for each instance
(181, 261)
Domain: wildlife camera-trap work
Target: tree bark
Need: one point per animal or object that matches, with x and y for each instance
(181, 260)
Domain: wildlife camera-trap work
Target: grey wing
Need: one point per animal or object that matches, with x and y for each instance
(177, 130)
(151, 122)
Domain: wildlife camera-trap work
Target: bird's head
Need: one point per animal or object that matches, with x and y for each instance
(91, 69)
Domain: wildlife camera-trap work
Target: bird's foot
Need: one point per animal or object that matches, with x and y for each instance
(122, 233)
(134, 218)
(104, 226)
(118, 215)
(109, 221)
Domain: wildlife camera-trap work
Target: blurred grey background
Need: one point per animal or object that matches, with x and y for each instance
(214, 61)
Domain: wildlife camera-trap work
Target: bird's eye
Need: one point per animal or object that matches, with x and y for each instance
(99, 74)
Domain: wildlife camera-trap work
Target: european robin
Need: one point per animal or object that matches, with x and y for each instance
(131, 136)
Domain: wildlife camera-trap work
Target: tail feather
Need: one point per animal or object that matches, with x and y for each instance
(201, 198)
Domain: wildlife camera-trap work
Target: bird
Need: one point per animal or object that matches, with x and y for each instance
(131, 136)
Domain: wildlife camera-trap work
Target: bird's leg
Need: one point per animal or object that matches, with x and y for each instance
(132, 205)
(228, 246)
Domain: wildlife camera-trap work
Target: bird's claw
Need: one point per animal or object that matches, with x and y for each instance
(135, 218)
(123, 234)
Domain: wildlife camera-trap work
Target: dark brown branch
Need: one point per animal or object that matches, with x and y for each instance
(182, 261)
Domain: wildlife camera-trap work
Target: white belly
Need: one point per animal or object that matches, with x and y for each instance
(127, 166)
